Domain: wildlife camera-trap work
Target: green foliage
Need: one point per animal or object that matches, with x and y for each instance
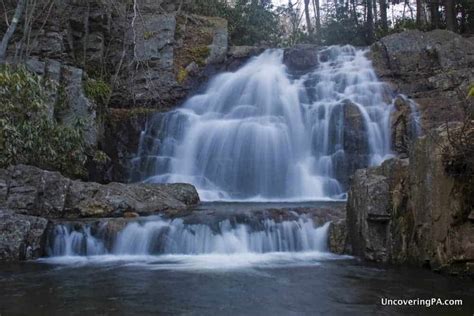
(97, 90)
(27, 134)
(100, 157)
(470, 93)
(340, 28)
(251, 22)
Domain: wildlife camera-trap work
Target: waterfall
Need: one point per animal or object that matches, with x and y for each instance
(261, 133)
(157, 236)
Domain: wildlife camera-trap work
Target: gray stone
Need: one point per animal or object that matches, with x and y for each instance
(33, 191)
(218, 48)
(302, 57)
(412, 211)
(433, 68)
(21, 236)
(79, 107)
(244, 51)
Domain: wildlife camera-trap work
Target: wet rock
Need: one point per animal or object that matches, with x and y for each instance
(337, 242)
(237, 52)
(237, 56)
(404, 125)
(412, 211)
(355, 151)
(21, 236)
(130, 215)
(38, 192)
(122, 129)
(368, 215)
(302, 57)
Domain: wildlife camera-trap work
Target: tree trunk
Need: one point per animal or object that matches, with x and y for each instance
(450, 16)
(20, 7)
(434, 8)
(370, 22)
(308, 18)
(374, 5)
(383, 14)
(317, 15)
(419, 9)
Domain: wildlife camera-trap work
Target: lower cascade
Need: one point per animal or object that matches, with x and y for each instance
(264, 133)
(157, 236)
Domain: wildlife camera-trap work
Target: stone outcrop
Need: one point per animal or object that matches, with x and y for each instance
(67, 100)
(301, 57)
(32, 191)
(433, 68)
(21, 236)
(149, 54)
(122, 130)
(238, 55)
(412, 211)
(370, 210)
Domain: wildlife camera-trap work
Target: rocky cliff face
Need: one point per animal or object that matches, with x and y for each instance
(149, 55)
(434, 68)
(412, 211)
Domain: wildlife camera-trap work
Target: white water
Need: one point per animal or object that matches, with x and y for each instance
(261, 134)
(171, 244)
(159, 236)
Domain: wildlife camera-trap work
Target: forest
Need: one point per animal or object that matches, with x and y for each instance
(358, 22)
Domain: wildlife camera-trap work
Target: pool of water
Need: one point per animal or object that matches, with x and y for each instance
(324, 285)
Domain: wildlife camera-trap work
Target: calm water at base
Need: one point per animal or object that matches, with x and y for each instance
(330, 287)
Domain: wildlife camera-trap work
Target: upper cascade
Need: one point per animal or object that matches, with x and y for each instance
(263, 133)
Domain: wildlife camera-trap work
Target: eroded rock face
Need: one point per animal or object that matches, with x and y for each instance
(412, 212)
(404, 125)
(21, 236)
(434, 68)
(37, 192)
(369, 210)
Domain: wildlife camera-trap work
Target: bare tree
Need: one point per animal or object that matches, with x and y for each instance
(434, 10)
(369, 21)
(383, 14)
(20, 7)
(317, 15)
(450, 15)
(308, 18)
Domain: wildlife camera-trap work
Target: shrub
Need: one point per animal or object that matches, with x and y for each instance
(97, 90)
(28, 134)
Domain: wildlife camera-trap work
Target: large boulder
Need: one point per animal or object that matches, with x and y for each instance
(21, 236)
(37, 192)
(302, 57)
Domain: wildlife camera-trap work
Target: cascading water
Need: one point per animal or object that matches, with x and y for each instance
(260, 133)
(172, 244)
(157, 236)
